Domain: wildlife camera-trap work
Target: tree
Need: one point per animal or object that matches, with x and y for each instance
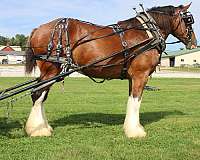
(17, 40)
(3, 40)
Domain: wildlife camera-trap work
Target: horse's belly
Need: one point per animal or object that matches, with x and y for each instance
(112, 72)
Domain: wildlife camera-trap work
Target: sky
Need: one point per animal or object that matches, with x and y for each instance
(21, 16)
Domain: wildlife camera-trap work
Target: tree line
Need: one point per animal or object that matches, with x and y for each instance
(17, 40)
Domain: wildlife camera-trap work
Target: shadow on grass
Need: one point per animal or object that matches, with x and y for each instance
(88, 120)
(110, 119)
(6, 126)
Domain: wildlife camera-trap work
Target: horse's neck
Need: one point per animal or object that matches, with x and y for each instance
(129, 23)
(164, 24)
(165, 27)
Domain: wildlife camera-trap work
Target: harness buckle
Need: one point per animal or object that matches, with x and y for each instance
(124, 43)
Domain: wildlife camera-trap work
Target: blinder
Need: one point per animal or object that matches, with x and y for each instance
(188, 20)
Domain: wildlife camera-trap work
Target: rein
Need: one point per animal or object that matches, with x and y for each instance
(173, 42)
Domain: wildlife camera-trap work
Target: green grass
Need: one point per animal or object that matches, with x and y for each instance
(88, 118)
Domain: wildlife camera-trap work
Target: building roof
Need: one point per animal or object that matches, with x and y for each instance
(7, 48)
(180, 52)
(10, 48)
(14, 53)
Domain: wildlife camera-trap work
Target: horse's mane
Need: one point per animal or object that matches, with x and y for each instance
(166, 9)
(170, 10)
(163, 15)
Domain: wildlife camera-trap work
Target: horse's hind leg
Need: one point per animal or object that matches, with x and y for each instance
(37, 124)
(132, 126)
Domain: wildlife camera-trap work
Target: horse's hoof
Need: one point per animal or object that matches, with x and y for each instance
(41, 132)
(50, 128)
(135, 132)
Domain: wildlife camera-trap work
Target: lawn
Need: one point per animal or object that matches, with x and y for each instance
(88, 118)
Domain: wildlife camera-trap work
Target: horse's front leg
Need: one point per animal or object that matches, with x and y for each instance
(132, 126)
(37, 124)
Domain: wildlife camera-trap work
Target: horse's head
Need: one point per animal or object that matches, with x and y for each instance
(182, 26)
(176, 21)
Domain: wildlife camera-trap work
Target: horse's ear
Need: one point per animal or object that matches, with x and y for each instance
(185, 8)
(182, 8)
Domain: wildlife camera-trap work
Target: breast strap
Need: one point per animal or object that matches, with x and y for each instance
(117, 29)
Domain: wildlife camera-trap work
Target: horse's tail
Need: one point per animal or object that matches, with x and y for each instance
(30, 61)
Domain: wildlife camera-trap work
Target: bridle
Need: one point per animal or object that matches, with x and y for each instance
(188, 20)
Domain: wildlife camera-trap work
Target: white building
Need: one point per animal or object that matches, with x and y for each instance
(12, 57)
(181, 58)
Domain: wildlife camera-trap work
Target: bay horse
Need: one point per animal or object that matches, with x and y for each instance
(85, 48)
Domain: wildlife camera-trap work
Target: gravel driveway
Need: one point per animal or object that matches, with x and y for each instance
(18, 71)
(176, 74)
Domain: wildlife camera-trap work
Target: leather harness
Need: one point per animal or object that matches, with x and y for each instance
(152, 32)
(148, 25)
(117, 29)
